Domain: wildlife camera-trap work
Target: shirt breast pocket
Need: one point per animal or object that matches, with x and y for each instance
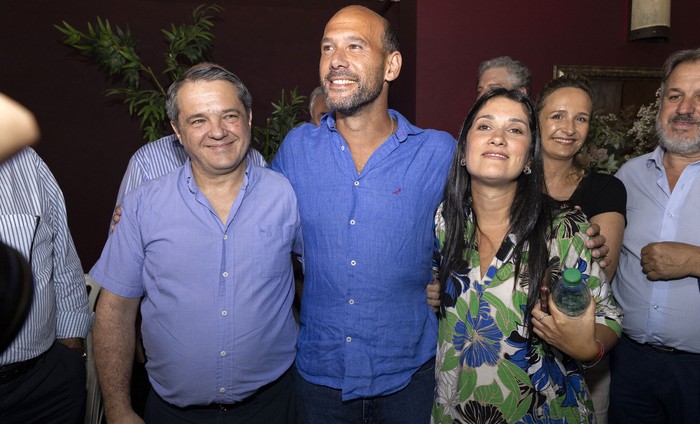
(272, 248)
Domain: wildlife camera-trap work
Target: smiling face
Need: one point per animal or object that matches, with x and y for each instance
(678, 122)
(353, 66)
(564, 122)
(498, 143)
(213, 127)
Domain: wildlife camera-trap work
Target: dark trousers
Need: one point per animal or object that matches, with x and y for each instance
(410, 405)
(272, 404)
(52, 391)
(651, 386)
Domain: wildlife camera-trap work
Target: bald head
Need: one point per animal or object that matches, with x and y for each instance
(388, 36)
(359, 58)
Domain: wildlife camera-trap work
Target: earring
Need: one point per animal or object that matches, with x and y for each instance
(527, 170)
(463, 162)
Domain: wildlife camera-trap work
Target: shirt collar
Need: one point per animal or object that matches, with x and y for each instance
(249, 178)
(404, 129)
(656, 158)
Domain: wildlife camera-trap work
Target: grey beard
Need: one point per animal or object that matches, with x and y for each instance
(678, 146)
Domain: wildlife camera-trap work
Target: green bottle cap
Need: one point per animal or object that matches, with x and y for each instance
(572, 276)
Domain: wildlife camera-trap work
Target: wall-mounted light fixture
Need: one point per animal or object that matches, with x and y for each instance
(650, 20)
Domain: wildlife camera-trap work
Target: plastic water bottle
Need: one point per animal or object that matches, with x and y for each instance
(570, 294)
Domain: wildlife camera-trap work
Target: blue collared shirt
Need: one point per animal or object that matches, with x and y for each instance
(368, 238)
(660, 312)
(33, 221)
(217, 308)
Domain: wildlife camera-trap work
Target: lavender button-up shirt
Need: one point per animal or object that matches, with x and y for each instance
(217, 297)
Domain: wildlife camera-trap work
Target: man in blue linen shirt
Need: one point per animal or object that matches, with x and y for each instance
(208, 246)
(656, 365)
(42, 372)
(368, 184)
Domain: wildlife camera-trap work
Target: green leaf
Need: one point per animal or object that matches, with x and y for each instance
(490, 394)
(461, 308)
(466, 383)
(451, 360)
(506, 319)
(512, 376)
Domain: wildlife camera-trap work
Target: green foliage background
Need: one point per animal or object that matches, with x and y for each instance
(144, 92)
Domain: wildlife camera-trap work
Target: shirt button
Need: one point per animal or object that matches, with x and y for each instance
(225, 274)
(223, 353)
(348, 339)
(225, 237)
(353, 263)
(222, 390)
(351, 301)
(656, 306)
(352, 222)
(224, 313)
(357, 183)
(670, 214)
(342, 148)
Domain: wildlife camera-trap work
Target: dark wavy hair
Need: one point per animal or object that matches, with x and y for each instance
(530, 214)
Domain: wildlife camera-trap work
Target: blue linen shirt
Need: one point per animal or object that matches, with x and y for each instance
(365, 324)
(217, 307)
(33, 221)
(658, 312)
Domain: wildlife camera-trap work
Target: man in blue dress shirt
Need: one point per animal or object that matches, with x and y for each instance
(656, 365)
(368, 184)
(208, 247)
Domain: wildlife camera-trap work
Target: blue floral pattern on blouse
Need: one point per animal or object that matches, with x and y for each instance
(486, 371)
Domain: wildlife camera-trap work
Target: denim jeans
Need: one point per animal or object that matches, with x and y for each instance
(410, 405)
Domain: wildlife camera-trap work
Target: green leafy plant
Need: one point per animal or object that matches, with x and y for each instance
(284, 117)
(115, 53)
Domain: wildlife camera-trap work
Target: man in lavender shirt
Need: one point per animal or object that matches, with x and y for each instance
(208, 247)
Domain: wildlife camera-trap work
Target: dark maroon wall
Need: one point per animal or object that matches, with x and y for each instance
(87, 138)
(455, 36)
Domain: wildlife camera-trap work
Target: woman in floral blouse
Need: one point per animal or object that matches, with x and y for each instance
(500, 357)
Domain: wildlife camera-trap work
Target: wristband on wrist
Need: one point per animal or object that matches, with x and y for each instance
(593, 363)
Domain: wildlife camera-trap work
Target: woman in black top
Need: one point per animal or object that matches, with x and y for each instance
(564, 109)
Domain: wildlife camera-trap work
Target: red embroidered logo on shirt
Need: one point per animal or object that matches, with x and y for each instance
(397, 191)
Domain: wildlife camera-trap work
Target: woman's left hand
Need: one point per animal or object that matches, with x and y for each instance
(574, 336)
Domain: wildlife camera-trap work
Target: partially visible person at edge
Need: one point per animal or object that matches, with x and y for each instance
(503, 72)
(656, 367)
(208, 249)
(564, 109)
(368, 183)
(500, 357)
(317, 106)
(42, 372)
(18, 127)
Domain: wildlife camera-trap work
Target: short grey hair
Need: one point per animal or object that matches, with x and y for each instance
(205, 72)
(520, 74)
(318, 91)
(677, 58)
